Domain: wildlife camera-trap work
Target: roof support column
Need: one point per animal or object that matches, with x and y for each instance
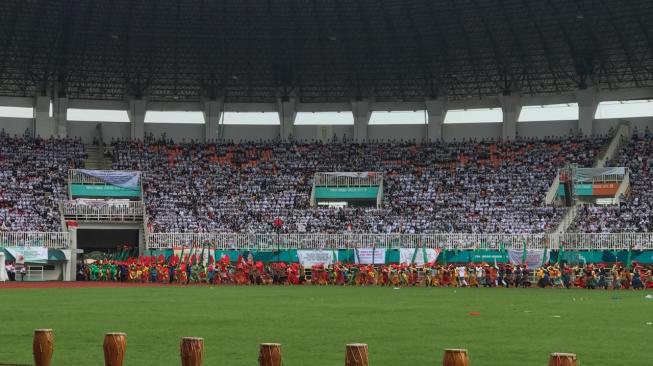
(361, 111)
(212, 115)
(287, 114)
(436, 110)
(137, 108)
(60, 111)
(511, 108)
(43, 124)
(587, 105)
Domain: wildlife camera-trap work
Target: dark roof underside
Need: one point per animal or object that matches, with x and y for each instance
(321, 50)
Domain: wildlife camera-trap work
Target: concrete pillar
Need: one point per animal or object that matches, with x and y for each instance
(436, 110)
(137, 109)
(587, 105)
(362, 113)
(60, 111)
(212, 116)
(511, 108)
(70, 267)
(287, 113)
(44, 125)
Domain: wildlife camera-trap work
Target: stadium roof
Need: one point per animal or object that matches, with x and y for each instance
(321, 50)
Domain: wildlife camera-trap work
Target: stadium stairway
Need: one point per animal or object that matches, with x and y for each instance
(95, 158)
(607, 153)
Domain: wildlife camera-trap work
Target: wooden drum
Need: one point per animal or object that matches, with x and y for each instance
(43, 347)
(455, 357)
(192, 351)
(269, 354)
(356, 355)
(115, 346)
(562, 359)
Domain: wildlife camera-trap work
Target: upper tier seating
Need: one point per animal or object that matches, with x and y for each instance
(33, 179)
(433, 187)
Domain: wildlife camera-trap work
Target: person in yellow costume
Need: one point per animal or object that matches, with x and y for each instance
(133, 274)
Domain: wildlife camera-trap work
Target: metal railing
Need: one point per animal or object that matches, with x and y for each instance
(35, 239)
(605, 241)
(572, 241)
(326, 179)
(100, 210)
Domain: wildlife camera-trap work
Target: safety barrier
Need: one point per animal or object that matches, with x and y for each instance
(35, 239)
(191, 350)
(571, 241)
(333, 179)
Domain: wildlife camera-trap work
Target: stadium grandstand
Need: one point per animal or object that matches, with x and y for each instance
(474, 117)
(387, 144)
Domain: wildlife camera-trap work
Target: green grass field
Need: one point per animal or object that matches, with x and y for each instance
(410, 326)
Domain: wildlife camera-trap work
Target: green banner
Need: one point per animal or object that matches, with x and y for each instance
(99, 190)
(580, 189)
(346, 192)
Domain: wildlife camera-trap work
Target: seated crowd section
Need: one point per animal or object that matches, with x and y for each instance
(634, 213)
(469, 186)
(33, 179)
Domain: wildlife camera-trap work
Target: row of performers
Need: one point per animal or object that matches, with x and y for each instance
(431, 274)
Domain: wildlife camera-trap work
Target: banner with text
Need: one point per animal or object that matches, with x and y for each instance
(309, 258)
(28, 254)
(533, 257)
(416, 255)
(370, 256)
(122, 179)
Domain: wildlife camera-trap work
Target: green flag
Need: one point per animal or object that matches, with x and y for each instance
(561, 251)
(412, 260)
(629, 259)
(524, 254)
(544, 256)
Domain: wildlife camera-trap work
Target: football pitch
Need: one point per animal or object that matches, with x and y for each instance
(408, 326)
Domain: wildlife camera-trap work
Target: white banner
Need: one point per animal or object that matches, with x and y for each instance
(370, 256)
(406, 255)
(3, 271)
(533, 257)
(309, 258)
(28, 254)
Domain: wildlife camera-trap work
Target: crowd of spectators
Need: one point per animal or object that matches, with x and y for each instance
(469, 186)
(33, 179)
(634, 212)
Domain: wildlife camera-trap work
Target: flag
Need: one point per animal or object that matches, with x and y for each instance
(412, 260)
(181, 256)
(561, 251)
(544, 256)
(524, 254)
